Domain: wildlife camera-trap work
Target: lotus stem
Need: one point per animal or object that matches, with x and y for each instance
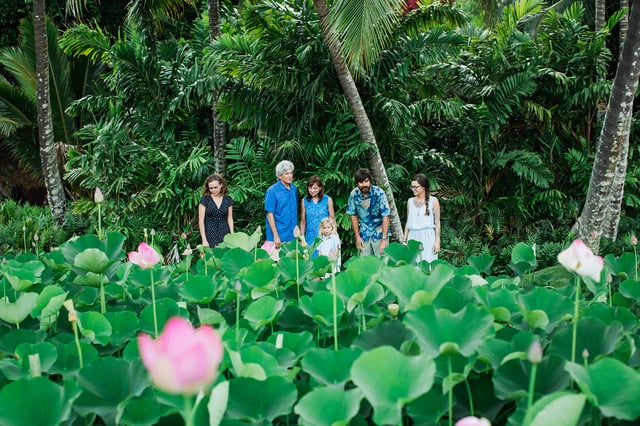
(297, 272)
(450, 391)
(574, 334)
(74, 325)
(103, 303)
(335, 312)
(469, 396)
(100, 221)
(153, 305)
(532, 384)
(238, 315)
(188, 413)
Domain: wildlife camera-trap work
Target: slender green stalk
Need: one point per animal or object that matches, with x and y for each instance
(103, 303)
(238, 316)
(188, 413)
(24, 237)
(100, 221)
(153, 304)
(335, 312)
(450, 392)
(469, 396)
(635, 253)
(532, 384)
(74, 325)
(574, 334)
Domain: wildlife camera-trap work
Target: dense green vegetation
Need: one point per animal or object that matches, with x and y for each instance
(502, 118)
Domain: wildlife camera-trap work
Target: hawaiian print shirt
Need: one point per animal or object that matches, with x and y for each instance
(370, 209)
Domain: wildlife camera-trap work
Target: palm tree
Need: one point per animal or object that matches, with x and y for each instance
(613, 145)
(219, 126)
(50, 170)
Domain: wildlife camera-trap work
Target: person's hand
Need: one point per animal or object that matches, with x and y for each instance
(436, 247)
(205, 243)
(276, 241)
(359, 243)
(383, 244)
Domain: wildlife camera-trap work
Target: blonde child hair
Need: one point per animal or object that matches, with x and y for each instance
(323, 222)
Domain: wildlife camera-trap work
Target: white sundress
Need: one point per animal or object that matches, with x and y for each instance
(422, 228)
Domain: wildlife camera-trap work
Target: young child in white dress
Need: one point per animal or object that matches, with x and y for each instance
(330, 244)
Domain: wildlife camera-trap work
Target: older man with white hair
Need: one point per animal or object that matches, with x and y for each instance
(281, 206)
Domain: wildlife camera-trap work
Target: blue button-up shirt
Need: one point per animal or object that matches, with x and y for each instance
(283, 203)
(370, 210)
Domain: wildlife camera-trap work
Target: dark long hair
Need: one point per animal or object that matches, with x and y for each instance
(423, 181)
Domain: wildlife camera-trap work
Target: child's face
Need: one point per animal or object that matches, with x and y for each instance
(326, 229)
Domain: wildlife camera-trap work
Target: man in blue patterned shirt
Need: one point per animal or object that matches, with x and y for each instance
(369, 212)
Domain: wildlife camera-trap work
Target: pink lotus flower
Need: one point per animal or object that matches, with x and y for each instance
(580, 259)
(145, 257)
(633, 240)
(97, 196)
(473, 421)
(182, 360)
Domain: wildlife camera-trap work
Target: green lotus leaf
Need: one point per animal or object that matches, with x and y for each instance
(165, 309)
(92, 260)
(14, 338)
(292, 269)
(609, 314)
(593, 335)
(46, 352)
(320, 307)
(511, 379)
(412, 287)
(609, 385)
(261, 276)
(388, 333)
(209, 316)
(254, 354)
(482, 263)
(299, 343)
(389, 380)
(467, 328)
(555, 307)
(259, 400)
(17, 402)
(16, 312)
(48, 305)
(198, 289)
(523, 259)
(630, 288)
(68, 361)
(141, 410)
(243, 241)
(107, 382)
(330, 367)
(328, 406)
(124, 326)
(400, 254)
(429, 407)
(218, 403)
(500, 302)
(95, 327)
(263, 311)
(558, 409)
(234, 261)
(112, 246)
(91, 279)
(623, 266)
(22, 275)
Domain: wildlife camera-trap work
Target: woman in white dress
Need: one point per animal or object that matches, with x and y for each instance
(423, 219)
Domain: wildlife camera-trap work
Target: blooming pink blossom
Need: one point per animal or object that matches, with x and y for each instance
(473, 421)
(145, 257)
(182, 360)
(580, 259)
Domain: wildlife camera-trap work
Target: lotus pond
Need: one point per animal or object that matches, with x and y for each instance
(384, 341)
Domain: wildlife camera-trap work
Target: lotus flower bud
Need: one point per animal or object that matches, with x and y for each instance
(97, 196)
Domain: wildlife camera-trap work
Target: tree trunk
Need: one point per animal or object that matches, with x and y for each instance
(48, 156)
(610, 226)
(623, 25)
(601, 14)
(219, 127)
(361, 118)
(611, 145)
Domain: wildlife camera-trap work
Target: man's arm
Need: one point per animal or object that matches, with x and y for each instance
(356, 232)
(272, 224)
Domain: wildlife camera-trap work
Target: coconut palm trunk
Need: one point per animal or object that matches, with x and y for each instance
(48, 155)
(360, 116)
(607, 173)
(219, 126)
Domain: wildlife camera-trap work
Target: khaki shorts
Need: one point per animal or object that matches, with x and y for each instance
(371, 247)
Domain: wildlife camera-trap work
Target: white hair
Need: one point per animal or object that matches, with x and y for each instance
(283, 167)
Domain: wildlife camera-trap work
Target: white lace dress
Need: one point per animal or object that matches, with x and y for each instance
(422, 228)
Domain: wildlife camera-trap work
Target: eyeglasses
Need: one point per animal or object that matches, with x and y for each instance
(415, 186)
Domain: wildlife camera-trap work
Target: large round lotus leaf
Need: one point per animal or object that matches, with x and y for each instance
(22, 275)
(198, 289)
(609, 314)
(328, 406)
(400, 254)
(320, 307)
(545, 302)
(165, 309)
(429, 407)
(263, 311)
(254, 354)
(34, 402)
(511, 379)
(390, 379)
(387, 333)
(234, 261)
(260, 275)
(295, 269)
(124, 326)
(558, 409)
(140, 411)
(482, 263)
(412, 287)
(47, 355)
(611, 386)
(48, 305)
(111, 246)
(593, 335)
(92, 260)
(631, 289)
(68, 360)
(107, 382)
(16, 312)
(330, 367)
(95, 327)
(299, 343)
(13, 338)
(243, 240)
(623, 266)
(258, 400)
(437, 329)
